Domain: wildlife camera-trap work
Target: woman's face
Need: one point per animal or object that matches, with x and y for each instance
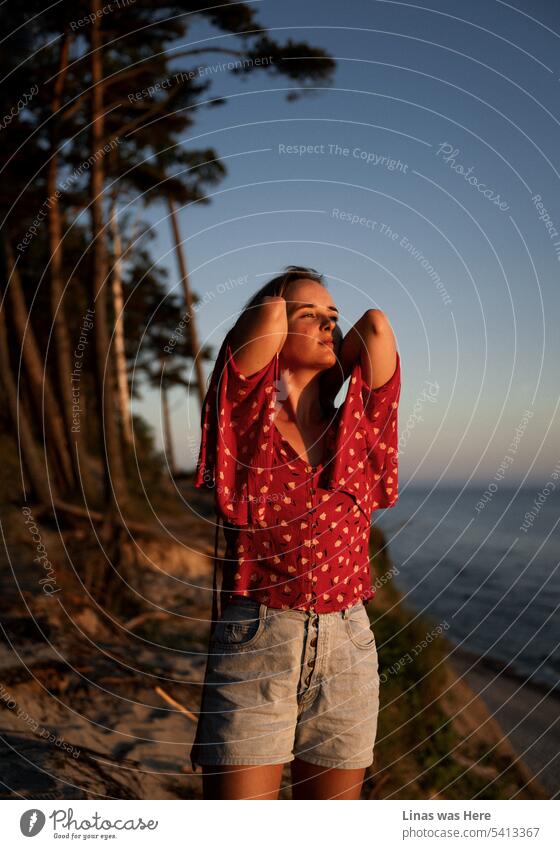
(313, 339)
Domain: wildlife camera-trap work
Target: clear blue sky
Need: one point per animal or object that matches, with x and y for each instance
(472, 289)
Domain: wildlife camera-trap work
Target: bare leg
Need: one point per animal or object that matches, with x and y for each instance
(228, 781)
(310, 781)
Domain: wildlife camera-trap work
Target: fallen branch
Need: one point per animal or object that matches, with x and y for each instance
(178, 705)
(96, 516)
(143, 617)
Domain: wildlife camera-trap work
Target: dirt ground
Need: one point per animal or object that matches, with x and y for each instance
(96, 705)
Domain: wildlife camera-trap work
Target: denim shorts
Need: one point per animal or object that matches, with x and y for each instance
(290, 683)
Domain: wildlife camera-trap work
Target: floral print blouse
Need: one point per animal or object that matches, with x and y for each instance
(297, 536)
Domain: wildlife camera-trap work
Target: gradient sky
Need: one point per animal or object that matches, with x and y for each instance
(481, 77)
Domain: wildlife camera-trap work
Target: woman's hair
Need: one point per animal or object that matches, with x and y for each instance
(278, 285)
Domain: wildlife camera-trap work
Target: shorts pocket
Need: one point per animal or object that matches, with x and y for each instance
(240, 626)
(358, 628)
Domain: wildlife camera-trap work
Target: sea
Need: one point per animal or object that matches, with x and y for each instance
(487, 564)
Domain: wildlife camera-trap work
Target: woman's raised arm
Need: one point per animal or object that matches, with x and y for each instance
(370, 338)
(259, 334)
(378, 348)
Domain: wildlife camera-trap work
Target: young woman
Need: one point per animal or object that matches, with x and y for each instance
(292, 672)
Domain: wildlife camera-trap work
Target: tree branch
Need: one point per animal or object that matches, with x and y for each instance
(135, 70)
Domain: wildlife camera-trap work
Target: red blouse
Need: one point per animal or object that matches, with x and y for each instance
(297, 535)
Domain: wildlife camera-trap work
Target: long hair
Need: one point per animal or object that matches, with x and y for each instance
(278, 286)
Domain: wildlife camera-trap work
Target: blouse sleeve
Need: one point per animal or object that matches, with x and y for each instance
(382, 434)
(236, 424)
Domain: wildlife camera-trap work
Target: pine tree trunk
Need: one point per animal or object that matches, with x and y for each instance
(39, 380)
(118, 306)
(75, 437)
(167, 432)
(31, 457)
(182, 265)
(115, 484)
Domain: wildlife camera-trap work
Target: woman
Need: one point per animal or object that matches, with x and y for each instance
(292, 670)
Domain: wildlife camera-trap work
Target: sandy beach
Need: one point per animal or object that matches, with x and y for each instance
(529, 715)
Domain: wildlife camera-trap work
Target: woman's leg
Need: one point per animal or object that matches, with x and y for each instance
(228, 781)
(310, 781)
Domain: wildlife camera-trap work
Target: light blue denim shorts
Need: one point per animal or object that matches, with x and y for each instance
(291, 683)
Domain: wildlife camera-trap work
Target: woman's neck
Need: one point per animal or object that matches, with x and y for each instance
(298, 400)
